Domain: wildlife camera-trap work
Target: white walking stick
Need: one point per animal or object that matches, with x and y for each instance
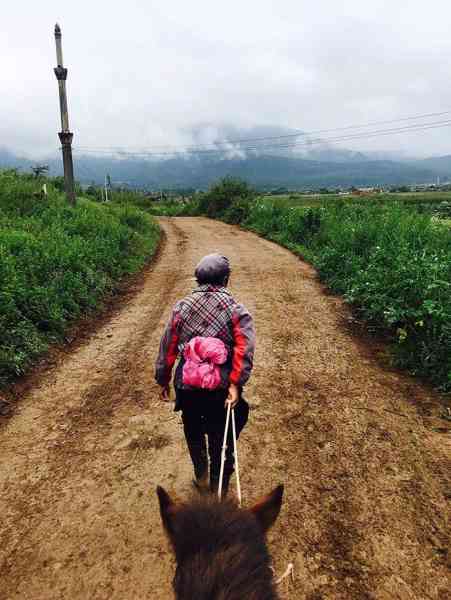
(235, 451)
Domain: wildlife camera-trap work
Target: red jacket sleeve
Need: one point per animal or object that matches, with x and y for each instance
(244, 345)
(168, 352)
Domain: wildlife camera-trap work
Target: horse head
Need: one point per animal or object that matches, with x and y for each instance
(220, 549)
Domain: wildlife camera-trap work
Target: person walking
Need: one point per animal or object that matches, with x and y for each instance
(214, 337)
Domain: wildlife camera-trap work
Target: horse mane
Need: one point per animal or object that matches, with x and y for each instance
(221, 553)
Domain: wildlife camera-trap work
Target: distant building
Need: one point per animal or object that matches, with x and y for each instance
(365, 191)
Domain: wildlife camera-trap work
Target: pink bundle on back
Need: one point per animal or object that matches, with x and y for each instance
(202, 357)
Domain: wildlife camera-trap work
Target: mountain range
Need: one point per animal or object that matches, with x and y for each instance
(291, 161)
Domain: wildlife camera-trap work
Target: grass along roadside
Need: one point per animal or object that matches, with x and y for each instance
(391, 264)
(58, 262)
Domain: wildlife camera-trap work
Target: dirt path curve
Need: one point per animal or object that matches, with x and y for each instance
(361, 450)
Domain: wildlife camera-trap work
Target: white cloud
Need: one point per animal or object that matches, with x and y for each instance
(142, 73)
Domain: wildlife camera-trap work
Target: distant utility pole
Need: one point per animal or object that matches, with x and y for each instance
(106, 187)
(65, 135)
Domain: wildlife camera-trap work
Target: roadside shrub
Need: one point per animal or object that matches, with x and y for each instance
(301, 224)
(238, 211)
(220, 197)
(267, 219)
(57, 262)
(191, 209)
(394, 266)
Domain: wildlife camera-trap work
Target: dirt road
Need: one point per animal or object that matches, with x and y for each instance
(362, 451)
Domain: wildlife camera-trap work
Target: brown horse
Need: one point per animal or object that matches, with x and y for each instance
(220, 549)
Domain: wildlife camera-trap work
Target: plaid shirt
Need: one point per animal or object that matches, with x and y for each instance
(209, 311)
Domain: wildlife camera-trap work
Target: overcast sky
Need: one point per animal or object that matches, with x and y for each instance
(143, 72)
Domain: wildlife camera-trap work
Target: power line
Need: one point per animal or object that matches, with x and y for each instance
(298, 133)
(364, 135)
(303, 143)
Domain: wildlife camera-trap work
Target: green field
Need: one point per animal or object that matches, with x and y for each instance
(437, 203)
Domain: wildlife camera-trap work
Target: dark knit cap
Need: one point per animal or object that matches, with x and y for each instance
(213, 268)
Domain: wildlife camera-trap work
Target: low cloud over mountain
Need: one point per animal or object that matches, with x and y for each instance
(264, 156)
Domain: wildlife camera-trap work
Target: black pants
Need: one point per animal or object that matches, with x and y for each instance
(204, 414)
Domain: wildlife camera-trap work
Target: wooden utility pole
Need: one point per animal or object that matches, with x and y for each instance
(65, 135)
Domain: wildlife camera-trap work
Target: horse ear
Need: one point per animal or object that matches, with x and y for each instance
(168, 509)
(267, 509)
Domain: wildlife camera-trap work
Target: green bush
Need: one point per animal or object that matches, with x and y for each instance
(238, 210)
(57, 262)
(222, 195)
(391, 263)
